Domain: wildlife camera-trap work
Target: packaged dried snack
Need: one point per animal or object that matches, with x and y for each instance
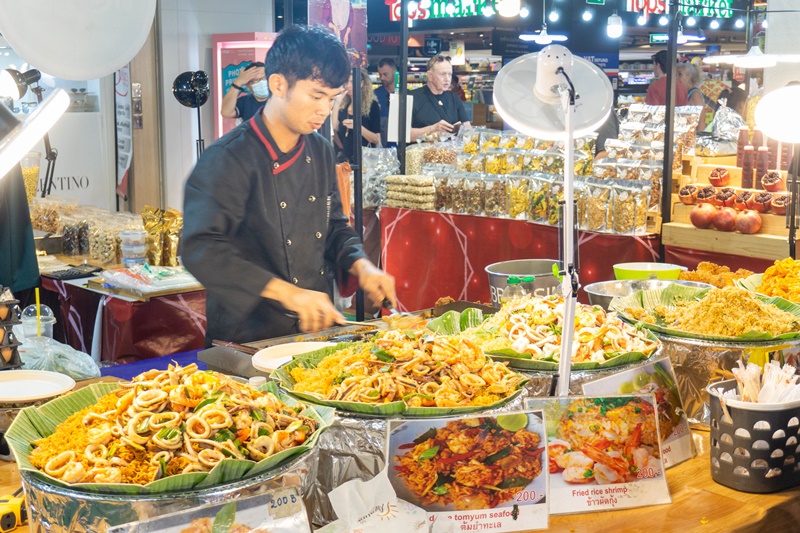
(631, 200)
(544, 144)
(554, 197)
(103, 236)
(463, 163)
(495, 161)
(653, 132)
(616, 149)
(45, 215)
(580, 194)
(478, 163)
(69, 233)
(441, 153)
(517, 186)
(495, 196)
(508, 140)
(475, 190)
(490, 139)
(414, 158)
(173, 225)
(638, 113)
(654, 172)
(442, 203)
(153, 219)
(538, 191)
(628, 169)
(640, 151)
(631, 131)
(605, 168)
(471, 139)
(458, 192)
(688, 115)
(513, 163)
(598, 205)
(584, 164)
(525, 142)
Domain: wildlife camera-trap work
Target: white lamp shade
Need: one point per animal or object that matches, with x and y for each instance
(614, 28)
(778, 115)
(19, 137)
(76, 39)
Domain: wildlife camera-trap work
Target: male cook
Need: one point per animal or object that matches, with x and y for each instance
(264, 230)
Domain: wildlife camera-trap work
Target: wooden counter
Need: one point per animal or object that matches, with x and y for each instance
(698, 504)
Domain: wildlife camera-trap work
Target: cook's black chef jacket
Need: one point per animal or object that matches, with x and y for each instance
(430, 108)
(252, 213)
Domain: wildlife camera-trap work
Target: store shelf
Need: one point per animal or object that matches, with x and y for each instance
(762, 246)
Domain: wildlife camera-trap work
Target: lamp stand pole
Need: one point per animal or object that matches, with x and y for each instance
(569, 284)
(50, 153)
(200, 143)
(794, 196)
(358, 186)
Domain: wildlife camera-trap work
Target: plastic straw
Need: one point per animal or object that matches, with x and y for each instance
(38, 314)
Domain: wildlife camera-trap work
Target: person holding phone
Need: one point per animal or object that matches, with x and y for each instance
(437, 110)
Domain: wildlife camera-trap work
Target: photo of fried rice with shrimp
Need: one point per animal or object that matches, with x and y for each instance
(469, 463)
(606, 440)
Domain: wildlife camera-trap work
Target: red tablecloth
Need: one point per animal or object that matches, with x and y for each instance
(690, 258)
(432, 255)
(130, 330)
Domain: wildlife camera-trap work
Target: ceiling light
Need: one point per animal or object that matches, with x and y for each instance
(508, 8)
(691, 21)
(543, 37)
(754, 58)
(587, 15)
(524, 12)
(452, 33)
(553, 16)
(714, 25)
(642, 20)
(480, 35)
(488, 11)
(739, 23)
(663, 20)
(614, 28)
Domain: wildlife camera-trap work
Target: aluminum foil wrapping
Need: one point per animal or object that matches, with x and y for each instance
(55, 509)
(698, 363)
(727, 124)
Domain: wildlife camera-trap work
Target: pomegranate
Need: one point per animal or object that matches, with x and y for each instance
(702, 215)
(761, 202)
(779, 203)
(748, 221)
(688, 194)
(706, 194)
(719, 177)
(724, 219)
(741, 200)
(725, 198)
(772, 181)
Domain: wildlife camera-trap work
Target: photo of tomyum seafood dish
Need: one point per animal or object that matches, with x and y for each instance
(603, 441)
(468, 463)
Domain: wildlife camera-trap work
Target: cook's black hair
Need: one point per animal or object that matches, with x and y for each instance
(254, 64)
(308, 53)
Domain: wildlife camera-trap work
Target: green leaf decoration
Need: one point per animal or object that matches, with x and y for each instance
(471, 318)
(447, 324)
(33, 423)
(648, 300)
(224, 519)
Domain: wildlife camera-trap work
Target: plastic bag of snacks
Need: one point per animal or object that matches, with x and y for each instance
(508, 140)
(514, 161)
(598, 205)
(103, 240)
(46, 213)
(631, 131)
(517, 196)
(471, 139)
(441, 184)
(605, 168)
(584, 164)
(495, 196)
(580, 194)
(173, 225)
(631, 201)
(440, 153)
(414, 159)
(490, 139)
(463, 163)
(654, 171)
(410, 191)
(70, 235)
(153, 220)
(653, 132)
(640, 151)
(538, 192)
(475, 193)
(525, 142)
(378, 163)
(629, 169)
(554, 197)
(616, 149)
(494, 161)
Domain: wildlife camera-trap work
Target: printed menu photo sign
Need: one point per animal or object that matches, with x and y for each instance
(657, 378)
(475, 473)
(604, 453)
(277, 511)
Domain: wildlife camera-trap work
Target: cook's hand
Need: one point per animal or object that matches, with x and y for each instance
(377, 284)
(442, 126)
(348, 123)
(314, 309)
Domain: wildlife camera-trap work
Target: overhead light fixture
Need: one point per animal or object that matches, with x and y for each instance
(14, 84)
(754, 58)
(553, 16)
(681, 37)
(699, 36)
(587, 15)
(508, 8)
(642, 20)
(480, 35)
(663, 20)
(17, 138)
(714, 25)
(614, 28)
(543, 37)
(488, 11)
(524, 12)
(739, 23)
(691, 21)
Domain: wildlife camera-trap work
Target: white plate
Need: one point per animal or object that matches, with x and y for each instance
(30, 385)
(271, 358)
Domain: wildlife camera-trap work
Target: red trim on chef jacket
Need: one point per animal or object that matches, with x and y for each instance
(271, 150)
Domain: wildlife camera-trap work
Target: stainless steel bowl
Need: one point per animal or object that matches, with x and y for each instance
(602, 292)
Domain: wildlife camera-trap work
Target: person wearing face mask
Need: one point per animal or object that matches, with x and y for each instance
(264, 230)
(437, 110)
(247, 93)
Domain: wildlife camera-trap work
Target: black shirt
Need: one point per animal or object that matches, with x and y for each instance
(247, 106)
(253, 213)
(430, 108)
(372, 122)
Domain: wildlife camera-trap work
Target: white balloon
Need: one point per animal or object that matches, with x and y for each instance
(77, 39)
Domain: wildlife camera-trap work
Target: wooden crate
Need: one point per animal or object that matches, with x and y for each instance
(759, 245)
(771, 223)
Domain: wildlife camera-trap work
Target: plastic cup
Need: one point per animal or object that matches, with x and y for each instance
(30, 172)
(30, 328)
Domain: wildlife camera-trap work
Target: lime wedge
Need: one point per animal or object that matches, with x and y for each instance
(513, 422)
(641, 380)
(626, 388)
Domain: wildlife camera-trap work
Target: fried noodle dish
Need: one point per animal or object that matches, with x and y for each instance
(533, 325)
(606, 440)
(421, 370)
(170, 422)
(471, 463)
(728, 312)
(782, 279)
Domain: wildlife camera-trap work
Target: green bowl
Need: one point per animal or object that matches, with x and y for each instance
(647, 271)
